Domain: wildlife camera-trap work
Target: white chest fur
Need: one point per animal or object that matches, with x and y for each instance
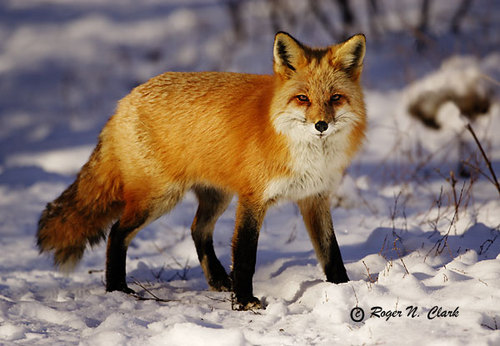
(316, 167)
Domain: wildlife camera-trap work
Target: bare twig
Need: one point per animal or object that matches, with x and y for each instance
(155, 297)
(453, 182)
(92, 271)
(485, 246)
(370, 278)
(185, 270)
(442, 242)
(400, 255)
(490, 327)
(478, 170)
(488, 162)
(438, 203)
(355, 296)
(221, 300)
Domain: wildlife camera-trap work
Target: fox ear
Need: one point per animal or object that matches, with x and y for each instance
(288, 54)
(350, 55)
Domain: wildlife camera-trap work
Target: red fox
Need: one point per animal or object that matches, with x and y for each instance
(289, 135)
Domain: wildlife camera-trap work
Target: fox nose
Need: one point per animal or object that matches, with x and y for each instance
(321, 126)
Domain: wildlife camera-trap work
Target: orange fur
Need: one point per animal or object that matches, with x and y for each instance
(217, 125)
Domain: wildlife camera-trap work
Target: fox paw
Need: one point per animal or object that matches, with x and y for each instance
(121, 288)
(246, 303)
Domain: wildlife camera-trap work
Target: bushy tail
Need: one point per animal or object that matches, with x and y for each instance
(81, 215)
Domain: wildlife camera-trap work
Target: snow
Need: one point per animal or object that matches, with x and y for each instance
(411, 234)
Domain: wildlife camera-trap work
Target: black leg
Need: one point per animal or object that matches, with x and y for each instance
(213, 202)
(334, 266)
(116, 257)
(245, 238)
(318, 220)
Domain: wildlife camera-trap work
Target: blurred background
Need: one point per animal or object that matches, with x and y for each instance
(416, 199)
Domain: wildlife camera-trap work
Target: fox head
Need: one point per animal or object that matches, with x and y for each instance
(318, 92)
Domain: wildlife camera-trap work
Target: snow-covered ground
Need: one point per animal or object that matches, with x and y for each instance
(421, 246)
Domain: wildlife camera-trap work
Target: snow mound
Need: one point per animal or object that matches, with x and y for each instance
(461, 86)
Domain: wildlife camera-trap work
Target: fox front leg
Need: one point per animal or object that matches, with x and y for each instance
(248, 221)
(318, 221)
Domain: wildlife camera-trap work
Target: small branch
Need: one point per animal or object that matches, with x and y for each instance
(155, 297)
(478, 170)
(92, 271)
(488, 162)
(221, 300)
(400, 256)
(491, 327)
(453, 182)
(370, 278)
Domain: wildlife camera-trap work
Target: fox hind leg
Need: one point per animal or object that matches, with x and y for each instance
(137, 214)
(116, 256)
(212, 203)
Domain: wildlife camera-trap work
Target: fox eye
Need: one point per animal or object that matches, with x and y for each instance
(335, 98)
(302, 98)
